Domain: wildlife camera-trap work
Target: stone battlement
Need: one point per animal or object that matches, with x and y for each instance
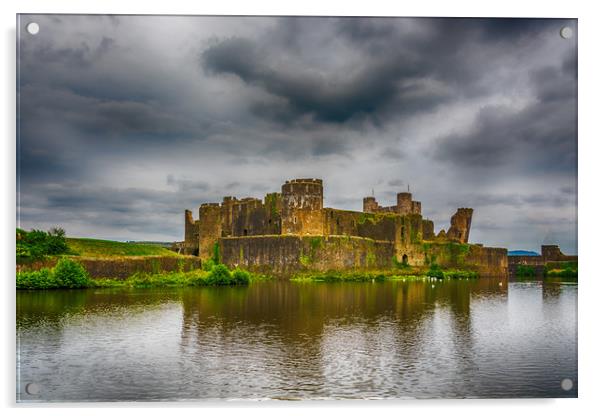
(315, 181)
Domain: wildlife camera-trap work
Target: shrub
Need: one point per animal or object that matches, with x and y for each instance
(435, 271)
(40, 279)
(219, 275)
(241, 277)
(461, 274)
(525, 271)
(208, 265)
(36, 244)
(70, 274)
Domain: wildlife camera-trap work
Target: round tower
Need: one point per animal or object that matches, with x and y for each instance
(302, 203)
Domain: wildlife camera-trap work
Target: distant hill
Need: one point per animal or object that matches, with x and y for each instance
(90, 247)
(522, 253)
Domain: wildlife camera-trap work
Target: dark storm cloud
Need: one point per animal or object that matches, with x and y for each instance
(404, 68)
(541, 136)
(335, 100)
(81, 56)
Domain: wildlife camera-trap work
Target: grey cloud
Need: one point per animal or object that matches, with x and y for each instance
(187, 185)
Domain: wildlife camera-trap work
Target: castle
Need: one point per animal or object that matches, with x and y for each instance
(291, 230)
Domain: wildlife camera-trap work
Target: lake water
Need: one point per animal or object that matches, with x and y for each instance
(285, 340)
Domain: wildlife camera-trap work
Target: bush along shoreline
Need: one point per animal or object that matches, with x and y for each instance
(406, 273)
(69, 274)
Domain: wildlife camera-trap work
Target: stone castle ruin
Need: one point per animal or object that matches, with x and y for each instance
(291, 230)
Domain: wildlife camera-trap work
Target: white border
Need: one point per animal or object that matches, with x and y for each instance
(590, 348)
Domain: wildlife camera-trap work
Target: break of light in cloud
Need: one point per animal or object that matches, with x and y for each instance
(125, 121)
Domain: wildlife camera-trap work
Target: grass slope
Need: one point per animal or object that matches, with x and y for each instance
(89, 247)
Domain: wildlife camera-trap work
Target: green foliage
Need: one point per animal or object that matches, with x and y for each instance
(215, 256)
(36, 244)
(305, 260)
(241, 277)
(396, 264)
(272, 203)
(332, 276)
(208, 265)
(568, 270)
(67, 274)
(364, 216)
(220, 275)
(70, 274)
(460, 274)
(457, 252)
(40, 279)
(435, 271)
(315, 243)
(525, 271)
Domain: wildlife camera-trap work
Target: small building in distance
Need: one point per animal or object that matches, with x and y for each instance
(291, 230)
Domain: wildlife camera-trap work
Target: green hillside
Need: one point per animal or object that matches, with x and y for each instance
(89, 247)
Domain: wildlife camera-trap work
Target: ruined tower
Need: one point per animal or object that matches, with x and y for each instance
(370, 204)
(302, 203)
(210, 229)
(460, 225)
(404, 203)
(191, 234)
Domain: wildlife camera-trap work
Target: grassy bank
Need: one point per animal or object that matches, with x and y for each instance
(69, 274)
(89, 247)
(405, 273)
(37, 245)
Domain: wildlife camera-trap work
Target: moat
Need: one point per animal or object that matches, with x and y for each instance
(290, 340)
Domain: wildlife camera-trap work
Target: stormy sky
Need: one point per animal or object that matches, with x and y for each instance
(125, 121)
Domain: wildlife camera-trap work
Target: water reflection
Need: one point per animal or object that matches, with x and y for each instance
(290, 340)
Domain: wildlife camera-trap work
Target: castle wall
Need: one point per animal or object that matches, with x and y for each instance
(487, 261)
(120, 268)
(416, 207)
(553, 253)
(428, 229)
(284, 255)
(341, 222)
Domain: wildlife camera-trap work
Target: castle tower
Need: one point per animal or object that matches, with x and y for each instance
(302, 203)
(210, 229)
(404, 203)
(460, 225)
(191, 235)
(370, 204)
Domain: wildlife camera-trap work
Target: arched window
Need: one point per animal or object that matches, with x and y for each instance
(404, 259)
